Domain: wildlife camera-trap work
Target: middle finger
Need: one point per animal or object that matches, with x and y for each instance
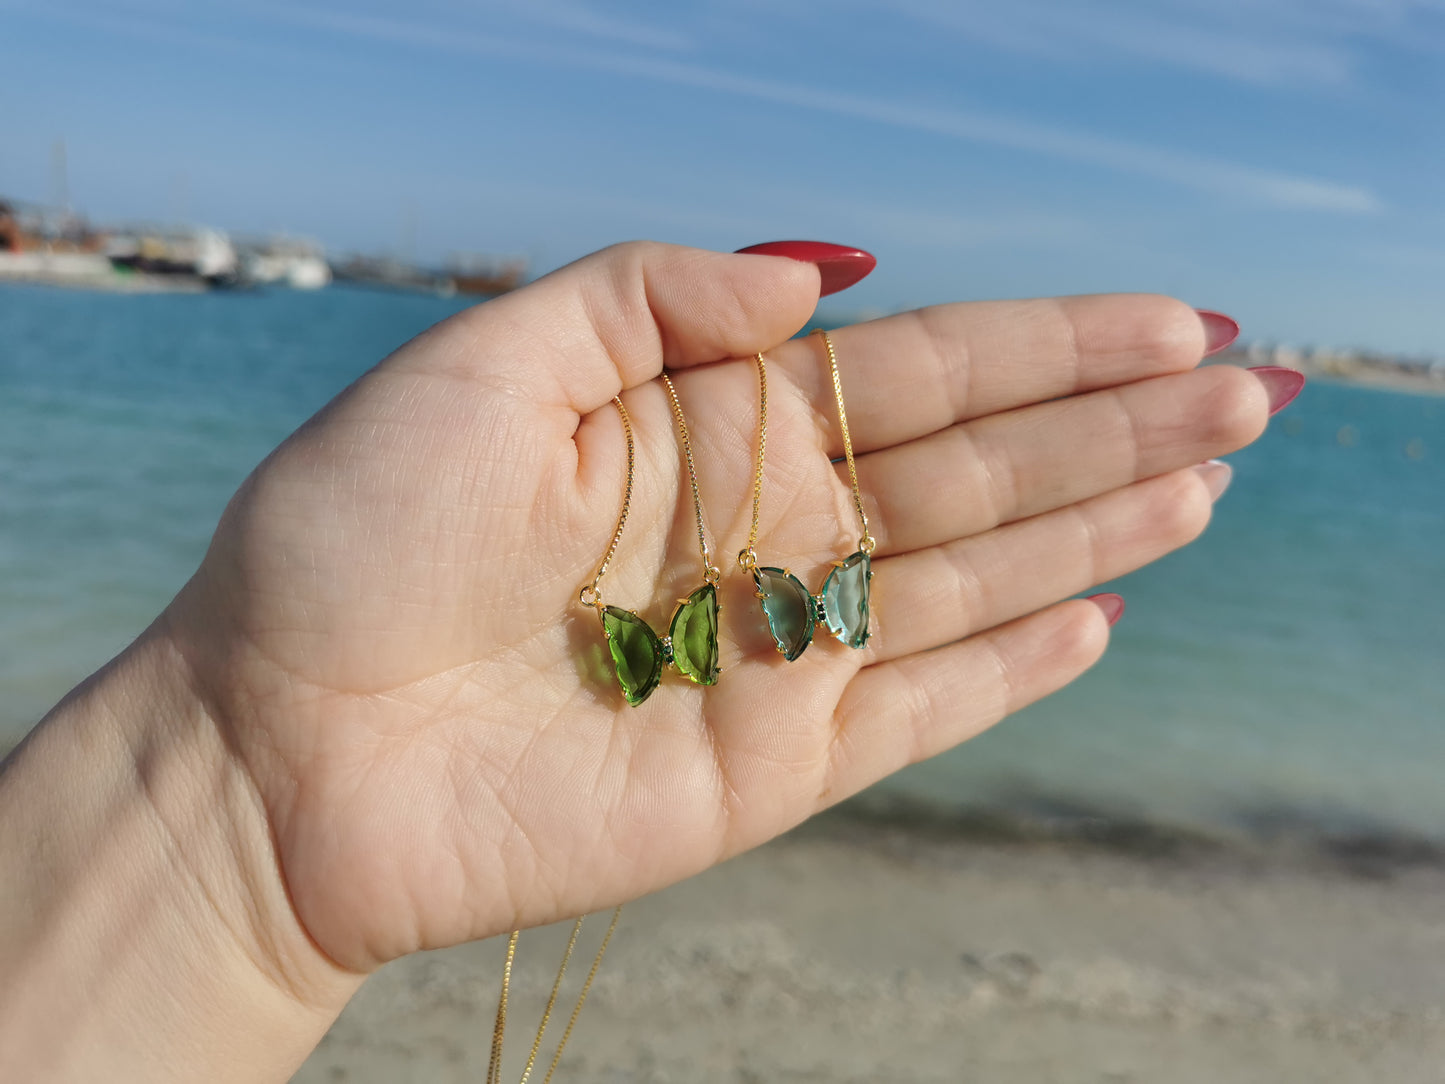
(977, 475)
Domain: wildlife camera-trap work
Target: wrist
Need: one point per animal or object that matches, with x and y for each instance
(148, 933)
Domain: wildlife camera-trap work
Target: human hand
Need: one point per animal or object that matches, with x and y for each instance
(386, 631)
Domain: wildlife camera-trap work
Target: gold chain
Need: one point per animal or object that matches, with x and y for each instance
(551, 1000)
(582, 997)
(748, 558)
(590, 595)
(494, 1067)
(866, 542)
(710, 574)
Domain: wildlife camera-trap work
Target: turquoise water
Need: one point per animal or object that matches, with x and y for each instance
(1285, 670)
(1284, 673)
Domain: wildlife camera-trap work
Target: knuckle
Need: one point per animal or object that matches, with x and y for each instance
(1234, 408)
(1183, 508)
(1081, 637)
(1171, 332)
(961, 586)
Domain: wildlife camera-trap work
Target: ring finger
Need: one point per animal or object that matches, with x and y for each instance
(935, 596)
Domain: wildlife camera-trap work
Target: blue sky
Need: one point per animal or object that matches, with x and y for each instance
(1282, 160)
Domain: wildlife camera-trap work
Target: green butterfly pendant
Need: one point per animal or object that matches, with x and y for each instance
(639, 654)
(842, 606)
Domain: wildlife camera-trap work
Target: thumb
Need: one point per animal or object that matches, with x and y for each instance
(614, 319)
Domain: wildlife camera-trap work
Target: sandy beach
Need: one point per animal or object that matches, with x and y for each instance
(858, 950)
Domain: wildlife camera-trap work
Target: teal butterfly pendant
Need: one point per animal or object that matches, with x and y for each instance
(841, 607)
(639, 654)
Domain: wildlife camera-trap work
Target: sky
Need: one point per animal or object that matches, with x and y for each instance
(1280, 160)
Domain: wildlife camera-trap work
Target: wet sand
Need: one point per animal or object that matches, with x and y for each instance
(868, 948)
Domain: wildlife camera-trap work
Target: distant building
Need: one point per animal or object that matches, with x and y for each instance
(1289, 356)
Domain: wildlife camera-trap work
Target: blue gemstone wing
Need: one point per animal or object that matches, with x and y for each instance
(845, 599)
(789, 609)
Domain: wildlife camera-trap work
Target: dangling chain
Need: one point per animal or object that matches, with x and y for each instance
(494, 1067)
(748, 558)
(710, 573)
(582, 996)
(591, 595)
(866, 542)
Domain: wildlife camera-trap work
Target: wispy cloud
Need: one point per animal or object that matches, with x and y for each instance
(1216, 176)
(1294, 43)
(586, 21)
(1203, 173)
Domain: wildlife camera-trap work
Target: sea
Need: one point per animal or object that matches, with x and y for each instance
(1280, 678)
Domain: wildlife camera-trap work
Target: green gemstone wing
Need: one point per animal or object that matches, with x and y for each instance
(845, 599)
(636, 653)
(788, 608)
(694, 636)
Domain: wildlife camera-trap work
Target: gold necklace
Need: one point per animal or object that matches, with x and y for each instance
(690, 646)
(842, 604)
(638, 655)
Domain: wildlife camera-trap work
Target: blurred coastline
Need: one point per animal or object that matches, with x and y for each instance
(1414, 375)
(52, 245)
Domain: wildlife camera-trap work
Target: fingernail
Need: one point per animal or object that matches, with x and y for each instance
(1217, 475)
(839, 265)
(1219, 330)
(1282, 385)
(1112, 605)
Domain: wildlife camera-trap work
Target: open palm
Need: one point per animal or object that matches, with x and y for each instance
(386, 628)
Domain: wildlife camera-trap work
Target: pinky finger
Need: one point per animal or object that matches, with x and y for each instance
(908, 709)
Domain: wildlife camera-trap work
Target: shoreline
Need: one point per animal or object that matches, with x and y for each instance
(845, 951)
(1256, 836)
(1373, 377)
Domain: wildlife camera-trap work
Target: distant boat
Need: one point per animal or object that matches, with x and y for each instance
(87, 271)
(475, 276)
(284, 261)
(55, 248)
(386, 273)
(197, 252)
(483, 276)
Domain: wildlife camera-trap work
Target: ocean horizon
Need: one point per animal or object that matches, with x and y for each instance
(1279, 679)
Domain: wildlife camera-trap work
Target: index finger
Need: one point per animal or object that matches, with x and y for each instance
(919, 372)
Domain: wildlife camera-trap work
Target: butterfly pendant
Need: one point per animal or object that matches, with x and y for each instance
(842, 605)
(639, 654)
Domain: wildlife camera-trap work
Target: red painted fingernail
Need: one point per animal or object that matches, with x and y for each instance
(1112, 605)
(1282, 385)
(839, 265)
(1220, 331)
(1217, 475)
